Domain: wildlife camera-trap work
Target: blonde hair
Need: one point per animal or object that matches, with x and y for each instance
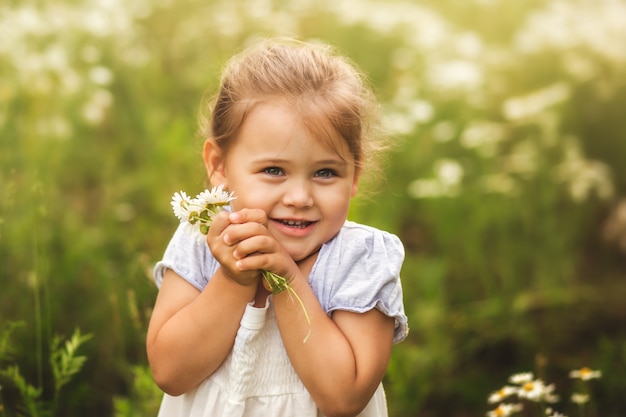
(328, 91)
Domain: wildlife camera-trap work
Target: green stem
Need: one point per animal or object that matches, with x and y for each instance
(279, 284)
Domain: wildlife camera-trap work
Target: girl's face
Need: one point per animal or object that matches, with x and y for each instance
(277, 166)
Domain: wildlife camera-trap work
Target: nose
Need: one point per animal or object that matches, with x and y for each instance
(298, 194)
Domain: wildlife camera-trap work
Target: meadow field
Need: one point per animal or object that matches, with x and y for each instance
(506, 182)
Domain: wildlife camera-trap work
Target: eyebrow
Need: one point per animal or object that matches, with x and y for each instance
(333, 162)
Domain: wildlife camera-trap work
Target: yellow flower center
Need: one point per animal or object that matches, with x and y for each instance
(528, 386)
(585, 372)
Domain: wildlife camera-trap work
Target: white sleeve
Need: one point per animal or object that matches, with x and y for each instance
(363, 272)
(190, 259)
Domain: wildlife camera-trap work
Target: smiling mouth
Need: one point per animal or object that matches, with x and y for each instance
(296, 224)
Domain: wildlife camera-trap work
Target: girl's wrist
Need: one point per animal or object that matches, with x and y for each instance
(248, 285)
(274, 283)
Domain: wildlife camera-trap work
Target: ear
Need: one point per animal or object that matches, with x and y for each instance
(214, 164)
(355, 183)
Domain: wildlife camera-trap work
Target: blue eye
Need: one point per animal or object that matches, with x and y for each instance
(273, 171)
(326, 173)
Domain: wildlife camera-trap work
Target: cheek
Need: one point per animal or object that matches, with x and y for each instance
(338, 203)
(251, 197)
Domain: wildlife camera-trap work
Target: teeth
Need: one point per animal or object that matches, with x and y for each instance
(296, 223)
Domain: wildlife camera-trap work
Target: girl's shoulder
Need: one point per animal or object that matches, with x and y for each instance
(358, 270)
(356, 239)
(188, 257)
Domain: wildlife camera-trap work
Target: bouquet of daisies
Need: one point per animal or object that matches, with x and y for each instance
(197, 213)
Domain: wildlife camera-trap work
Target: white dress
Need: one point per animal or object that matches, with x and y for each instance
(256, 378)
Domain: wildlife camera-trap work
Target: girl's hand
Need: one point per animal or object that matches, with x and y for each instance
(253, 246)
(224, 239)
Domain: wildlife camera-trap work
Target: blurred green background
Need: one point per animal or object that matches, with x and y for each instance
(507, 183)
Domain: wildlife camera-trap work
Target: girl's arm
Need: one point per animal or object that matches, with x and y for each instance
(191, 332)
(344, 358)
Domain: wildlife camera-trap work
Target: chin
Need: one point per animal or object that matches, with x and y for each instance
(301, 256)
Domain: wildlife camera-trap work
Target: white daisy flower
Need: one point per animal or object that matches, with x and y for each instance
(580, 399)
(521, 378)
(585, 374)
(501, 394)
(180, 202)
(217, 196)
(504, 410)
(197, 213)
(193, 231)
(535, 390)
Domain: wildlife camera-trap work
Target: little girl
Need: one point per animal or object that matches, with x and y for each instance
(288, 136)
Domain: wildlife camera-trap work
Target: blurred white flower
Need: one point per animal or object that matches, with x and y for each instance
(407, 106)
(428, 188)
(521, 378)
(455, 74)
(469, 44)
(448, 176)
(56, 58)
(28, 19)
(526, 387)
(423, 29)
(581, 67)
(536, 390)
(398, 122)
(532, 104)
(583, 176)
(502, 394)
(54, 127)
(449, 172)
(94, 111)
(597, 26)
(444, 131)
(552, 413)
(585, 374)
(523, 158)
(483, 136)
(101, 75)
(578, 398)
(421, 111)
(504, 410)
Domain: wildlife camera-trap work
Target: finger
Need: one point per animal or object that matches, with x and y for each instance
(254, 245)
(237, 233)
(248, 215)
(253, 262)
(219, 223)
